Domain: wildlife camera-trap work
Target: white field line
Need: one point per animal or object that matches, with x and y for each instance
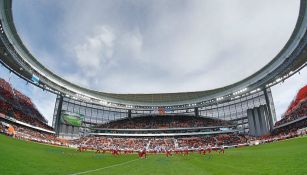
(115, 165)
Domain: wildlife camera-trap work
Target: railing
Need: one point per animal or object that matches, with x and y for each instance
(163, 134)
(291, 122)
(166, 129)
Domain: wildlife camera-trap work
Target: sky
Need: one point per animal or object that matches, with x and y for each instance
(154, 46)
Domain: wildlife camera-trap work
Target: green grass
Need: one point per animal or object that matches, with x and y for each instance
(285, 157)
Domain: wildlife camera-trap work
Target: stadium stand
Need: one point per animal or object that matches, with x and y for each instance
(151, 144)
(160, 144)
(290, 127)
(160, 122)
(30, 134)
(297, 108)
(18, 113)
(15, 104)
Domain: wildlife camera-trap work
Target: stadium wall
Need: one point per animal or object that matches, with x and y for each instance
(234, 110)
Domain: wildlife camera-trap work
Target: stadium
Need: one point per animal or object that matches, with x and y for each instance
(233, 129)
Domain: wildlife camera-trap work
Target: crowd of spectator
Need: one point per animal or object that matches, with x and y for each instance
(299, 112)
(297, 108)
(16, 105)
(159, 144)
(2, 128)
(159, 122)
(290, 128)
(20, 107)
(216, 140)
(162, 144)
(151, 144)
(30, 134)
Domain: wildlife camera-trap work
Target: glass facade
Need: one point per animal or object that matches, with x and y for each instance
(233, 110)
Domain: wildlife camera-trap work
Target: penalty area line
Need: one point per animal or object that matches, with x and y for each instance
(115, 165)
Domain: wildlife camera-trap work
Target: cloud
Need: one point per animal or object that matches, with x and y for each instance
(135, 46)
(96, 51)
(130, 44)
(160, 44)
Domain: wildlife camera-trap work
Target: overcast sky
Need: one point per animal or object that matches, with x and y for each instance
(138, 46)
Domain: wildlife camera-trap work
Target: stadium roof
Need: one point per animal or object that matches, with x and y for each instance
(15, 55)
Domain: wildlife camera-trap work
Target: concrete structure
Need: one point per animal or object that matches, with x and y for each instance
(259, 121)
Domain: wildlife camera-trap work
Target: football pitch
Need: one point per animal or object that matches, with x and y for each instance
(284, 157)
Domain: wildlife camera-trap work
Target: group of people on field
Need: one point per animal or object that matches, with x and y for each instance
(142, 153)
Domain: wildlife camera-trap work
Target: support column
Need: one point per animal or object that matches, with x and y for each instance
(58, 116)
(264, 119)
(267, 101)
(196, 112)
(257, 122)
(251, 122)
(129, 113)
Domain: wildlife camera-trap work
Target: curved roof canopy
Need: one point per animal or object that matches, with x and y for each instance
(15, 55)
